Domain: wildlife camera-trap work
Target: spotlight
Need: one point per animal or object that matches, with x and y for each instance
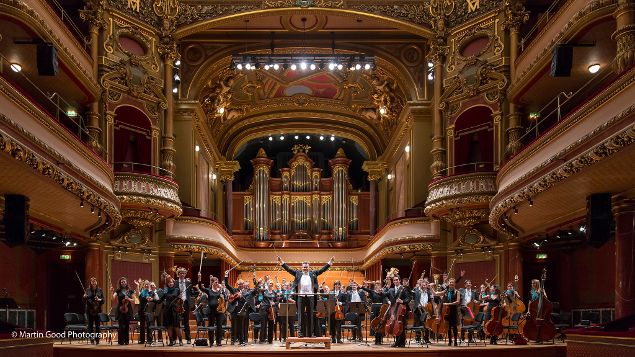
(339, 66)
(312, 67)
(177, 62)
(430, 64)
(239, 66)
(321, 137)
(213, 176)
(294, 67)
(81, 203)
(531, 203)
(389, 176)
(367, 66)
(281, 137)
(570, 232)
(266, 67)
(407, 148)
(67, 243)
(515, 210)
(177, 78)
(175, 90)
(92, 209)
(308, 137)
(594, 68)
(383, 110)
(271, 138)
(303, 66)
(16, 67)
(430, 76)
(331, 66)
(296, 137)
(43, 234)
(99, 213)
(332, 138)
(32, 231)
(197, 148)
(358, 66)
(582, 229)
(276, 66)
(75, 244)
(536, 245)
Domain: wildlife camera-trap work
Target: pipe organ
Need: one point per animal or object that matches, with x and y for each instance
(301, 204)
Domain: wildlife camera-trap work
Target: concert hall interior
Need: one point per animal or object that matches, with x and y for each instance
(445, 177)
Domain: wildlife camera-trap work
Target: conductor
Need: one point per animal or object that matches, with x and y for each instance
(306, 284)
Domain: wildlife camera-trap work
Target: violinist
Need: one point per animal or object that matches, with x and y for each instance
(141, 289)
(265, 302)
(216, 318)
(124, 296)
(240, 323)
(201, 309)
(422, 296)
(171, 313)
(185, 289)
(94, 299)
(493, 299)
(352, 296)
(378, 297)
(286, 297)
(400, 294)
(149, 298)
(452, 298)
(335, 324)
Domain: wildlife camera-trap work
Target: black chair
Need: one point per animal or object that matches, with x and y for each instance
(349, 324)
(156, 331)
(254, 317)
(103, 320)
(72, 324)
(512, 328)
(415, 329)
(561, 322)
(475, 327)
(114, 324)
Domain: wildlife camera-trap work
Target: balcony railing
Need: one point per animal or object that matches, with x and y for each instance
(53, 104)
(468, 168)
(69, 21)
(141, 168)
(541, 23)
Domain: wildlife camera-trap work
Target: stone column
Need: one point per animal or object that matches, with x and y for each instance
(226, 171)
(93, 265)
(438, 148)
(625, 34)
(624, 213)
(169, 54)
(376, 171)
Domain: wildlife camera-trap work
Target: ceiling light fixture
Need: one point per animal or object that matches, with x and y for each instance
(407, 148)
(531, 203)
(332, 138)
(296, 137)
(308, 137)
(515, 210)
(271, 138)
(16, 67)
(321, 137)
(594, 68)
(197, 148)
(281, 137)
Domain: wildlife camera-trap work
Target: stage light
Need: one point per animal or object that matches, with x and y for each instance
(296, 137)
(175, 90)
(303, 66)
(430, 76)
(197, 148)
(99, 213)
(239, 66)
(531, 203)
(16, 67)
(352, 68)
(294, 67)
(332, 66)
(389, 176)
(92, 209)
(594, 68)
(582, 229)
(332, 138)
(430, 64)
(248, 66)
(358, 66)
(75, 244)
(266, 67)
(367, 66)
(321, 137)
(281, 137)
(515, 210)
(382, 110)
(81, 203)
(214, 176)
(276, 66)
(221, 110)
(177, 78)
(308, 137)
(312, 67)
(407, 148)
(271, 138)
(67, 243)
(177, 62)
(339, 66)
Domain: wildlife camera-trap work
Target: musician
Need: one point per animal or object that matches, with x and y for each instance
(511, 293)
(286, 297)
(172, 312)
(185, 286)
(306, 283)
(124, 296)
(400, 294)
(201, 308)
(378, 297)
(94, 299)
(355, 295)
(240, 322)
(335, 325)
(265, 302)
(141, 289)
(451, 298)
(422, 296)
(493, 299)
(468, 295)
(535, 292)
(214, 293)
(151, 299)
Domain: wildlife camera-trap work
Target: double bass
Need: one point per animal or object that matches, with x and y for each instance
(513, 305)
(538, 325)
(394, 325)
(494, 327)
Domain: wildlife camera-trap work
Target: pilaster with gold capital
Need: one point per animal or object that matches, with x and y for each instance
(226, 170)
(624, 35)
(375, 169)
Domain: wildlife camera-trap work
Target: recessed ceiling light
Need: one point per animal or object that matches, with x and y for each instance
(296, 137)
(332, 138)
(271, 138)
(594, 68)
(308, 137)
(281, 137)
(321, 137)
(16, 67)
(294, 67)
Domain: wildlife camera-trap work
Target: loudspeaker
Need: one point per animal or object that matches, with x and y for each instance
(16, 219)
(599, 219)
(561, 61)
(47, 64)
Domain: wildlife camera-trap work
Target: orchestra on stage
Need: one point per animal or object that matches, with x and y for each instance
(436, 310)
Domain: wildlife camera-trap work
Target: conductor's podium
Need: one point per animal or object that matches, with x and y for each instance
(325, 340)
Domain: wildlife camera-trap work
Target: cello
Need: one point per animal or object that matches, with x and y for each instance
(394, 325)
(494, 327)
(538, 325)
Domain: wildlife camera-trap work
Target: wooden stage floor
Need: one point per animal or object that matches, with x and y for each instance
(277, 348)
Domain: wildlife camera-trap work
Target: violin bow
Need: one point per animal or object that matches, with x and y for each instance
(80, 281)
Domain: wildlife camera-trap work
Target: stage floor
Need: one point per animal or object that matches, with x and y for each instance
(350, 349)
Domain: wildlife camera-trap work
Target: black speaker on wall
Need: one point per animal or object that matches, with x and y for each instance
(561, 61)
(16, 219)
(599, 219)
(47, 64)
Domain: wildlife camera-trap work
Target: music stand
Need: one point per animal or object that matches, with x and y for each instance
(330, 306)
(321, 307)
(286, 310)
(360, 309)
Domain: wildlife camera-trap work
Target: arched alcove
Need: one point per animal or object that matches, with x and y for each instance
(474, 141)
(133, 140)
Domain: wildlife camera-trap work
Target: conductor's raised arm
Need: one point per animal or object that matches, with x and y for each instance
(326, 266)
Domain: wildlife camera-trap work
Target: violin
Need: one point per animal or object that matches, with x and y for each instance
(125, 302)
(538, 325)
(178, 302)
(339, 314)
(234, 296)
(271, 314)
(221, 307)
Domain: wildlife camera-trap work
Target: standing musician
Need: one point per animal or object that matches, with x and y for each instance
(171, 312)
(335, 325)
(535, 292)
(149, 298)
(307, 286)
(493, 299)
(355, 295)
(234, 308)
(185, 286)
(286, 297)
(451, 298)
(377, 296)
(422, 296)
(124, 296)
(265, 302)
(467, 295)
(141, 289)
(400, 294)
(215, 317)
(94, 299)
(201, 309)
(511, 293)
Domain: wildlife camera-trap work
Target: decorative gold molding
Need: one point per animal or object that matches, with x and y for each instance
(375, 169)
(140, 190)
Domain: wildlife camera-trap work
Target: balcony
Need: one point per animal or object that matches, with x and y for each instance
(462, 199)
(146, 199)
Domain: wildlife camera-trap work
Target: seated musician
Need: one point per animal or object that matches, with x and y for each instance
(201, 303)
(355, 295)
(511, 293)
(422, 296)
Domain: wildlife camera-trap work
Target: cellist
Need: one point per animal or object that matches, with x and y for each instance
(452, 298)
(400, 294)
